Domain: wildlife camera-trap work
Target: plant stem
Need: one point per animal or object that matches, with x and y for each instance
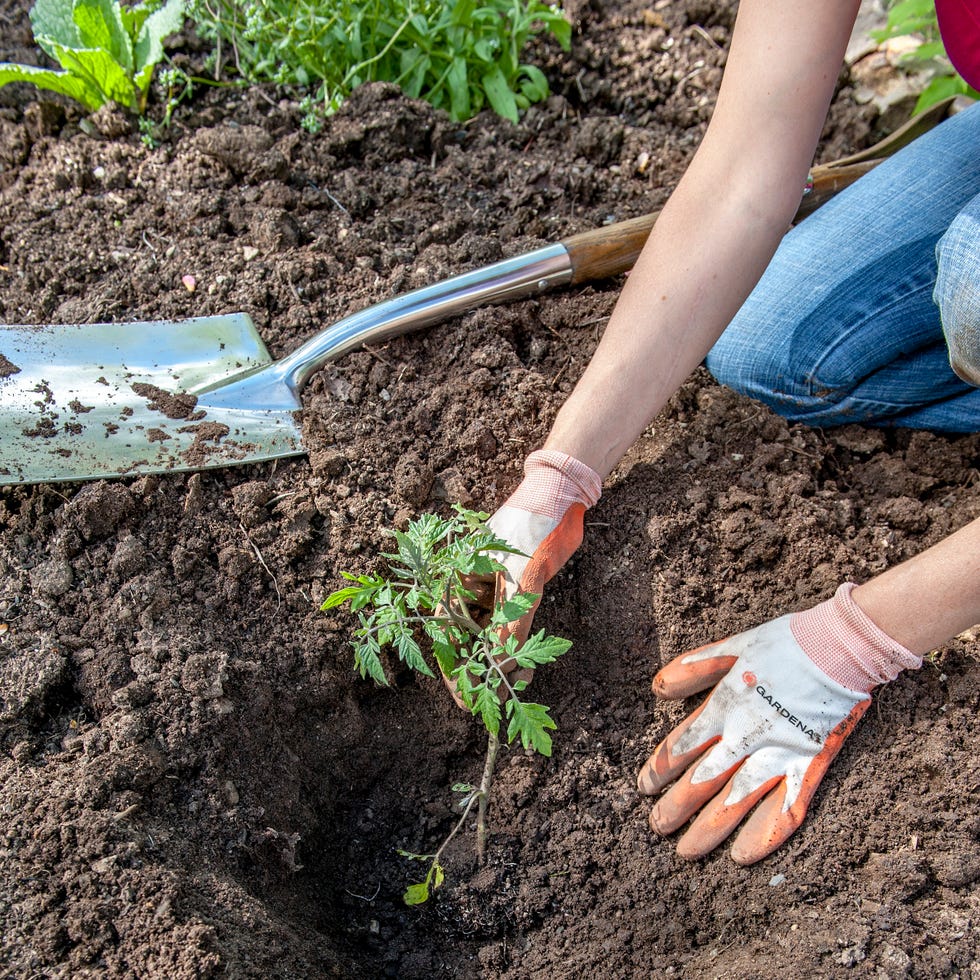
(493, 746)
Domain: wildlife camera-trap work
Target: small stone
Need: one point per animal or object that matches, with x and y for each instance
(52, 578)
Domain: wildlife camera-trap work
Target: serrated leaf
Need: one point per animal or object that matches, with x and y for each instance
(540, 649)
(361, 598)
(487, 706)
(464, 686)
(339, 597)
(411, 654)
(445, 654)
(368, 662)
(482, 565)
(517, 606)
(473, 519)
(531, 722)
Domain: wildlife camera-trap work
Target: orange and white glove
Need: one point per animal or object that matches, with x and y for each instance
(544, 520)
(788, 693)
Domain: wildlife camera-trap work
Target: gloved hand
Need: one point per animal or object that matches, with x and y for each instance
(543, 519)
(788, 693)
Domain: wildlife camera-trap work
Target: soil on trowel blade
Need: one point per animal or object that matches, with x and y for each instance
(195, 780)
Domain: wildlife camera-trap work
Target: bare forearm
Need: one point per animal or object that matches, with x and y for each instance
(930, 598)
(697, 268)
(720, 227)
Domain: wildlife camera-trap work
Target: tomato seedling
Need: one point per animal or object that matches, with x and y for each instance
(433, 593)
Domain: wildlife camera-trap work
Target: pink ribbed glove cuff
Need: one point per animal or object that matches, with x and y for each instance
(553, 482)
(847, 646)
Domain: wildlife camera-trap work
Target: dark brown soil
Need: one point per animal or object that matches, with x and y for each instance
(196, 783)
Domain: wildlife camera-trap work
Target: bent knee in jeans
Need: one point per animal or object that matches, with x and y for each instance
(957, 291)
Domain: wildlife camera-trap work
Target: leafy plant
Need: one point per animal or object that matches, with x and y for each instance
(918, 18)
(107, 50)
(432, 594)
(459, 55)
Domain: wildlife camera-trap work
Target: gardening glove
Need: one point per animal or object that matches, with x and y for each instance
(543, 519)
(788, 693)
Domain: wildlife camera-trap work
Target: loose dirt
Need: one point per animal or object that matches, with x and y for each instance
(196, 783)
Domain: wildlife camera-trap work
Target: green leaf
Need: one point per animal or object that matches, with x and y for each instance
(52, 20)
(445, 654)
(939, 89)
(168, 20)
(416, 894)
(928, 50)
(411, 654)
(100, 26)
(464, 686)
(339, 597)
(535, 86)
(487, 706)
(473, 519)
(367, 661)
(540, 649)
(362, 597)
(100, 71)
(531, 722)
(481, 565)
(61, 82)
(500, 95)
(133, 17)
(516, 606)
(561, 29)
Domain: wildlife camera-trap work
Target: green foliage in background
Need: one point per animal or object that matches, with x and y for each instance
(107, 50)
(459, 55)
(918, 18)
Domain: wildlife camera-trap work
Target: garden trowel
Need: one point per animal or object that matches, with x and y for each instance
(88, 401)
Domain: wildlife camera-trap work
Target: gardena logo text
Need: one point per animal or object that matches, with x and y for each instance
(788, 715)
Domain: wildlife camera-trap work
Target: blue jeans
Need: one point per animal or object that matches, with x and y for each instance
(867, 301)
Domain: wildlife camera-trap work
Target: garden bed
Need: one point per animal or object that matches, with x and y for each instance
(195, 782)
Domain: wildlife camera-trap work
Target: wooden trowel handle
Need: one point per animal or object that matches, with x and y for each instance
(608, 251)
(614, 249)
